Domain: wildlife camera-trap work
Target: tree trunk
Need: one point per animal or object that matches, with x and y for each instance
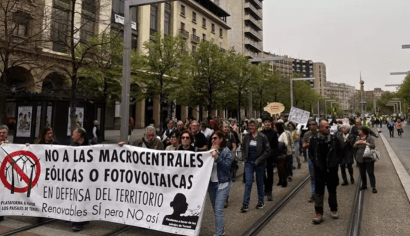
(161, 99)
(239, 107)
(209, 105)
(73, 69)
(3, 96)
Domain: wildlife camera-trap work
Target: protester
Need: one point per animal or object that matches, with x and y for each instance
(220, 182)
(306, 140)
(272, 137)
(213, 124)
(295, 139)
(256, 151)
(399, 127)
(96, 132)
(168, 132)
(79, 138)
(390, 126)
(230, 141)
(206, 131)
(149, 140)
(348, 140)
(325, 152)
(174, 139)
(289, 157)
(186, 140)
(46, 136)
(199, 137)
(180, 126)
(283, 151)
(4, 131)
(366, 164)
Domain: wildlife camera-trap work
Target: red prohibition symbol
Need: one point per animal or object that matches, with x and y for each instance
(30, 182)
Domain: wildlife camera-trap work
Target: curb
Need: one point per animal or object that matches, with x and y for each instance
(400, 170)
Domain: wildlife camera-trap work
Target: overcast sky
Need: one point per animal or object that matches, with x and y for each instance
(349, 36)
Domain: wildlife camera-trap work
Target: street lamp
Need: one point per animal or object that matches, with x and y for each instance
(291, 87)
(395, 102)
(330, 100)
(126, 68)
(405, 46)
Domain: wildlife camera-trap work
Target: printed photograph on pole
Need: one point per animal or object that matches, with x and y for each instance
(49, 115)
(79, 119)
(159, 190)
(24, 116)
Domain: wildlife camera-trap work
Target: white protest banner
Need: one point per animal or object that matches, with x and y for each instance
(298, 116)
(147, 188)
(333, 129)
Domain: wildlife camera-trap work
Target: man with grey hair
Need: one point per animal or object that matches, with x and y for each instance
(149, 140)
(168, 133)
(4, 131)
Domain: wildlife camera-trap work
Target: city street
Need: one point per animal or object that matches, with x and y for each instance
(381, 214)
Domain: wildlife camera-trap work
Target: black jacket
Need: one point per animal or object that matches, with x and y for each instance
(272, 137)
(262, 148)
(326, 152)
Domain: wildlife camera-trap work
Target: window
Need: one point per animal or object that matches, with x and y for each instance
(182, 10)
(213, 28)
(59, 27)
(203, 37)
(182, 26)
(167, 18)
(193, 31)
(154, 19)
(204, 23)
(220, 32)
(87, 28)
(118, 8)
(194, 17)
(193, 48)
(21, 24)
(134, 41)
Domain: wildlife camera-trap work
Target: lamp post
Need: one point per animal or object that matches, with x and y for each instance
(330, 100)
(395, 102)
(291, 87)
(126, 68)
(331, 104)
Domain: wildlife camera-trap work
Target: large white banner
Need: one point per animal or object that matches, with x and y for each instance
(158, 190)
(298, 116)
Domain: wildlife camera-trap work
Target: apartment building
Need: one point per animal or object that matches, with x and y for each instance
(195, 21)
(285, 67)
(344, 93)
(246, 21)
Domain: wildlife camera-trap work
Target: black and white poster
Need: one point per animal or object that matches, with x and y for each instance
(298, 116)
(24, 116)
(79, 119)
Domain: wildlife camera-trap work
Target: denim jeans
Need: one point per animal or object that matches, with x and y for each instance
(312, 177)
(218, 197)
(296, 152)
(250, 168)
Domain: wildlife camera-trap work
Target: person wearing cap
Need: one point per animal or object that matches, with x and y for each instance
(272, 137)
(256, 151)
(325, 151)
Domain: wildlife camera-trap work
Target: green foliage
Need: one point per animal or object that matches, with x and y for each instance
(404, 91)
(102, 77)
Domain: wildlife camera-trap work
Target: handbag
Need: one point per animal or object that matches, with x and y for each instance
(367, 153)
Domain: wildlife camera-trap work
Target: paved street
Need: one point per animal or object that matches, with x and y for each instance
(385, 213)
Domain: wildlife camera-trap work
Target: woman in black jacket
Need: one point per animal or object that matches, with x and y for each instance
(365, 164)
(348, 140)
(46, 136)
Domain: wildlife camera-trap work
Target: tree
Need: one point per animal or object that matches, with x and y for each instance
(22, 25)
(165, 58)
(207, 77)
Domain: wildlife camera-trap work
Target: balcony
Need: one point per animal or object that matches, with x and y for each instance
(184, 33)
(256, 3)
(195, 39)
(254, 33)
(253, 21)
(250, 54)
(253, 44)
(254, 11)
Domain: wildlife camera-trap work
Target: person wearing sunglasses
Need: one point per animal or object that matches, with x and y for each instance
(325, 151)
(186, 139)
(220, 182)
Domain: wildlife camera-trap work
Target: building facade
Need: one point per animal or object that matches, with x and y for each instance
(285, 67)
(195, 21)
(246, 21)
(319, 73)
(343, 93)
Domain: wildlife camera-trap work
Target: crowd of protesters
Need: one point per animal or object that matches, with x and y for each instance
(262, 144)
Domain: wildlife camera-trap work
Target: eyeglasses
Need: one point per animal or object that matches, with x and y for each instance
(185, 137)
(214, 138)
